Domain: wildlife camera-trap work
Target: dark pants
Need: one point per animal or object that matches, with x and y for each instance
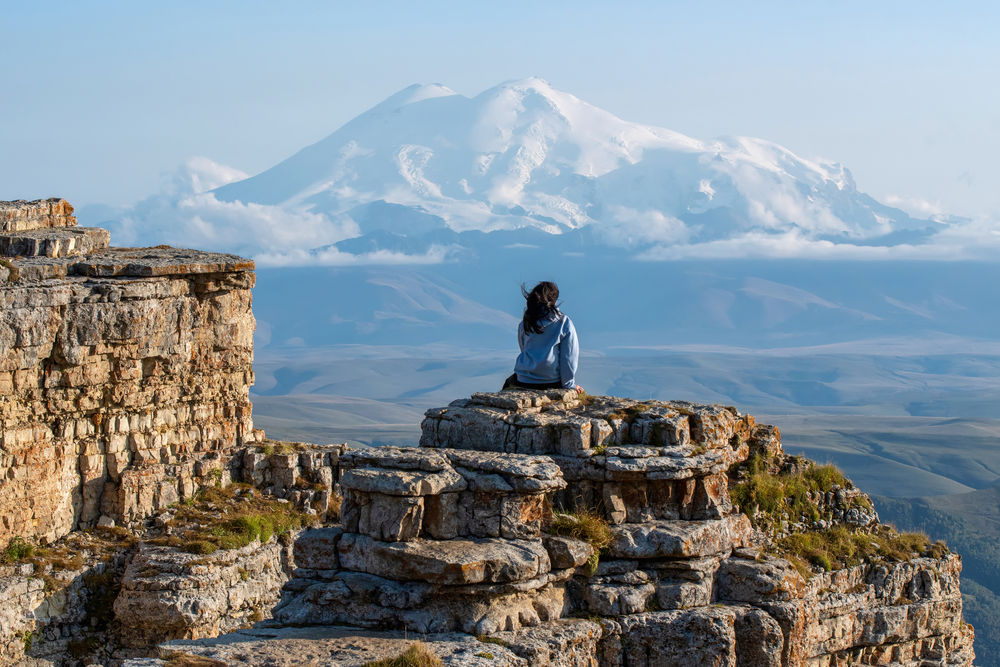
(513, 383)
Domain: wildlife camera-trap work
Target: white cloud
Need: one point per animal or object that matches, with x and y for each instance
(186, 213)
(200, 174)
(793, 245)
(915, 206)
(203, 221)
(626, 226)
(436, 254)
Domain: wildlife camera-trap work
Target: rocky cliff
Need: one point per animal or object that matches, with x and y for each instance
(124, 373)
(143, 515)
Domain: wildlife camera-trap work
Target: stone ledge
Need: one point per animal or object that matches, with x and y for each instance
(57, 242)
(366, 600)
(445, 562)
(158, 261)
(402, 482)
(112, 263)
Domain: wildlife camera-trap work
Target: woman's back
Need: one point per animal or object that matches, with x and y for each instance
(550, 355)
(550, 349)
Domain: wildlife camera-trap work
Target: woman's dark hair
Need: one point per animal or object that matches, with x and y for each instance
(542, 303)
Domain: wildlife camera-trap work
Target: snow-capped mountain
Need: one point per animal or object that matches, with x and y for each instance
(524, 154)
(429, 172)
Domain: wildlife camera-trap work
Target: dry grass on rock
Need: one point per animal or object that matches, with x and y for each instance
(842, 546)
(769, 498)
(418, 655)
(583, 523)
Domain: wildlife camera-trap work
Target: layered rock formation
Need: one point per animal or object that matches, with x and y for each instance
(435, 541)
(685, 578)
(528, 528)
(124, 373)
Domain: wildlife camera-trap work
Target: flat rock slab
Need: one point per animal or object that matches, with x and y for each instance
(158, 261)
(522, 472)
(395, 458)
(416, 471)
(333, 646)
(445, 562)
(403, 482)
(35, 268)
(678, 464)
(55, 242)
(524, 399)
(679, 539)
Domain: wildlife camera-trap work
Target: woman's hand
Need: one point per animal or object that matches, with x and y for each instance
(579, 389)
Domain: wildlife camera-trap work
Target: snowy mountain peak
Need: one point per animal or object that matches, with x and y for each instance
(412, 94)
(525, 155)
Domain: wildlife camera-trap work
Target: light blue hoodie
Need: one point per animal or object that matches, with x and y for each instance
(550, 356)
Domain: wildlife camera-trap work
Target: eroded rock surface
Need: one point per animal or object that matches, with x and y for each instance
(167, 594)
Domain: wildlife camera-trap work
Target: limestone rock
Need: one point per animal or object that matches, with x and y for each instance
(399, 493)
(691, 638)
(160, 261)
(403, 482)
(112, 390)
(446, 562)
(316, 549)
(679, 539)
(57, 242)
(566, 552)
(557, 422)
(369, 601)
(20, 215)
(169, 594)
(568, 642)
(753, 581)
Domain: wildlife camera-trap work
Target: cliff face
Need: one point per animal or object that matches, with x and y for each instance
(124, 373)
(528, 528)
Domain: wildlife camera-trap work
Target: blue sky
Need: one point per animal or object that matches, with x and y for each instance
(100, 99)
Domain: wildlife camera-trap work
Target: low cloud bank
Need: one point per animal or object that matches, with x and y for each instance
(187, 213)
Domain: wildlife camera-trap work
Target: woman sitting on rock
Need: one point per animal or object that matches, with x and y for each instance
(550, 349)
